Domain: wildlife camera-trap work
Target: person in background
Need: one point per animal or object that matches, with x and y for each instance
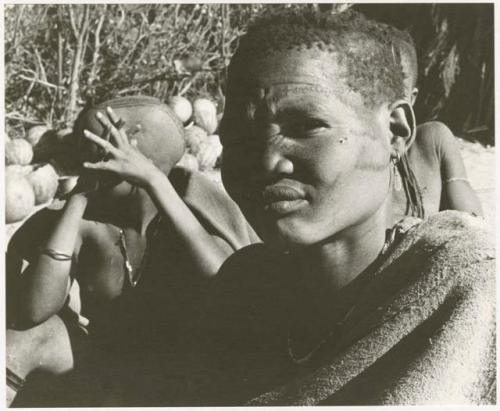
(157, 230)
(436, 175)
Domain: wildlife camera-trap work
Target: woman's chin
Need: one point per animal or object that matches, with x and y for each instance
(285, 236)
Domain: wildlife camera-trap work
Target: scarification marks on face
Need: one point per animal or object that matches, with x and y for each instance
(284, 90)
(279, 91)
(370, 157)
(266, 133)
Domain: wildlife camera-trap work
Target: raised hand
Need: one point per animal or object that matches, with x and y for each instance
(122, 158)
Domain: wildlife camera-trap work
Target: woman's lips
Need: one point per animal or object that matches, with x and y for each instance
(282, 199)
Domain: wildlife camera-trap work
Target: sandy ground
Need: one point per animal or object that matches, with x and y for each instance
(479, 162)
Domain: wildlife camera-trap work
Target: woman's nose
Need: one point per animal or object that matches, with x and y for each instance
(274, 160)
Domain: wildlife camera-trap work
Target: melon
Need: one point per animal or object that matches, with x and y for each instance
(35, 133)
(44, 182)
(18, 151)
(17, 169)
(214, 140)
(205, 114)
(194, 137)
(207, 156)
(209, 152)
(19, 198)
(181, 107)
(188, 161)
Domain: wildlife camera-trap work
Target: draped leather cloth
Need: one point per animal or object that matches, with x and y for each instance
(213, 207)
(423, 331)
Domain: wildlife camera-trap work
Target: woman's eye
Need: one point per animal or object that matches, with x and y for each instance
(308, 127)
(314, 124)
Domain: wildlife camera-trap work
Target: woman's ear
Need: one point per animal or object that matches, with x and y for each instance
(402, 125)
(414, 94)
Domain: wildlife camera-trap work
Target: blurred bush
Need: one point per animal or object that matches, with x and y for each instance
(60, 57)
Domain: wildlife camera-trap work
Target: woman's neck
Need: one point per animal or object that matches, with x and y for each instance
(329, 267)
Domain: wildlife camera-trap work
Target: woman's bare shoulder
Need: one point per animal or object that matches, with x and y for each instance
(433, 129)
(431, 137)
(90, 228)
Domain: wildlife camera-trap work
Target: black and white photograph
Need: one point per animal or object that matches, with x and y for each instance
(218, 204)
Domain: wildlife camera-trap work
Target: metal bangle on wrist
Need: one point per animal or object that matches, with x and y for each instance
(54, 254)
(453, 179)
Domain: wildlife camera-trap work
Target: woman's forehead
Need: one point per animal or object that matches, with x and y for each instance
(297, 65)
(293, 72)
(299, 99)
(293, 91)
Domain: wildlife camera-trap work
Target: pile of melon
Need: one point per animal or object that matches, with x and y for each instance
(203, 146)
(30, 179)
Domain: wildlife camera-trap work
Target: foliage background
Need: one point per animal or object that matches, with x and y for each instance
(60, 57)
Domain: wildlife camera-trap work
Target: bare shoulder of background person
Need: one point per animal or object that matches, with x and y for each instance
(438, 147)
(432, 139)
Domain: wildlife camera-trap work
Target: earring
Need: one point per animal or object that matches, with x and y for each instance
(396, 157)
(398, 183)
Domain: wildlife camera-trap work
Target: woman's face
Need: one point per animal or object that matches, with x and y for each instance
(303, 157)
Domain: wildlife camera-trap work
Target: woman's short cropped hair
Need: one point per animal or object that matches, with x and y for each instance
(365, 47)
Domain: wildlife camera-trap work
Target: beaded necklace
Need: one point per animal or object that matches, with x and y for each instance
(129, 269)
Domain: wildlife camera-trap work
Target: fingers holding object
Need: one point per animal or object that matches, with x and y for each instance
(118, 122)
(118, 137)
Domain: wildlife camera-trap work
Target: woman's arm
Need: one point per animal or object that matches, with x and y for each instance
(46, 282)
(207, 252)
(457, 193)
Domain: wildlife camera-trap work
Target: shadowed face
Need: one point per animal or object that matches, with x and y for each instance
(303, 157)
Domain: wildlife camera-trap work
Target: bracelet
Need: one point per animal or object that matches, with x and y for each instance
(55, 255)
(451, 180)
